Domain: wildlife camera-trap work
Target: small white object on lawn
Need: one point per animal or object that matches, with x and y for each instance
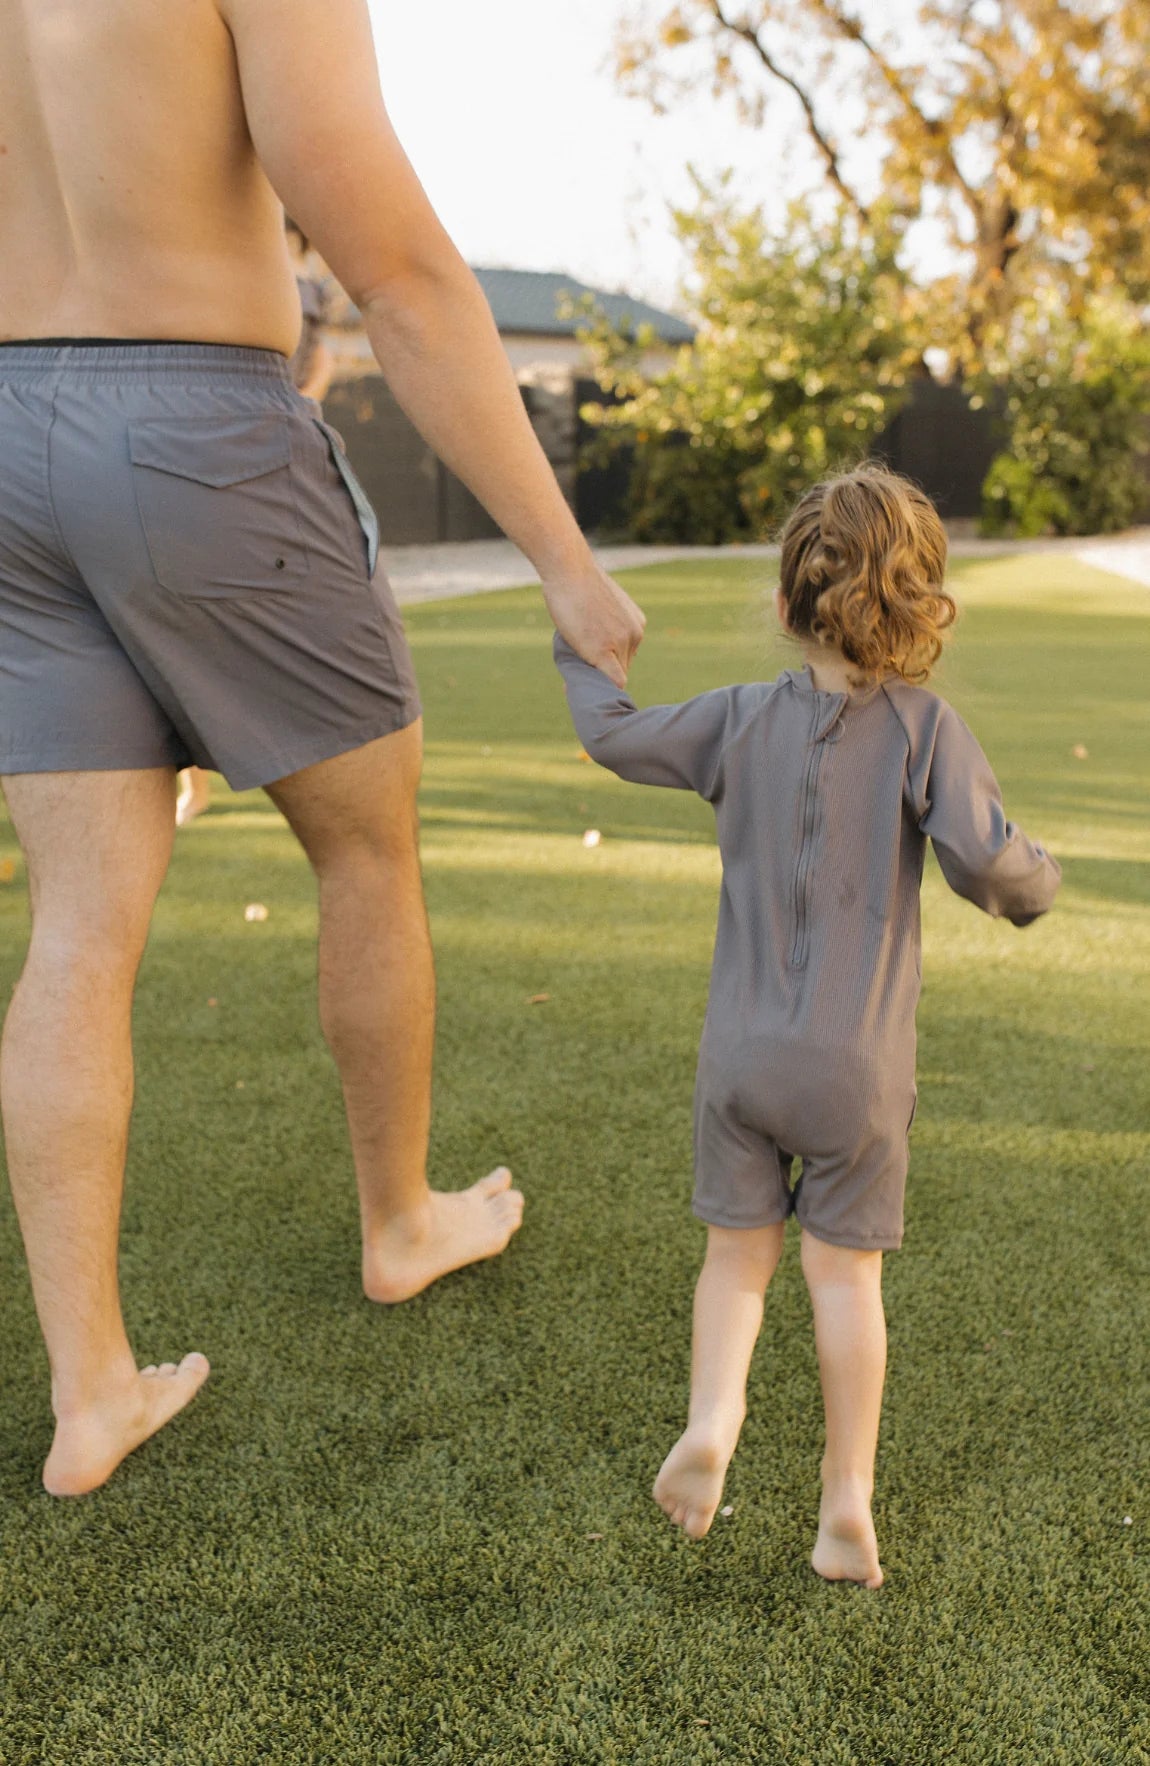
(728, 1511)
(255, 911)
(592, 838)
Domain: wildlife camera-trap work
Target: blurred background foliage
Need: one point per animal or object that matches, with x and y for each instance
(1021, 135)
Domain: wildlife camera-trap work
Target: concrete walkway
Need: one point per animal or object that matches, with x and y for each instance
(477, 567)
(1126, 554)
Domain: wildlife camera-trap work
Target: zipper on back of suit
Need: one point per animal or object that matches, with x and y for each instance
(804, 858)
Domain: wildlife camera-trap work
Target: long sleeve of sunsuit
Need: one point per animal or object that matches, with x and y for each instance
(680, 746)
(984, 857)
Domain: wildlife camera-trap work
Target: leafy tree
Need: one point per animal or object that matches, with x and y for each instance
(1076, 421)
(1023, 126)
(808, 340)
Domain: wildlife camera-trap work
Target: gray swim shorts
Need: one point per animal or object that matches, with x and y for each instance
(756, 1114)
(187, 569)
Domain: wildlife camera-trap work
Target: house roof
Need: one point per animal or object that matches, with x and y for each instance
(528, 301)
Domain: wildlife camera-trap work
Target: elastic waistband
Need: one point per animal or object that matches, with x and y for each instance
(172, 361)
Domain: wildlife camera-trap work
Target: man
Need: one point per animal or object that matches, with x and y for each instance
(183, 579)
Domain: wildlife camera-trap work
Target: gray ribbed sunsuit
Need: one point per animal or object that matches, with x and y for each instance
(823, 803)
(186, 568)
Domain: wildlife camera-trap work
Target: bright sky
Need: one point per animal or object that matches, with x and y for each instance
(535, 160)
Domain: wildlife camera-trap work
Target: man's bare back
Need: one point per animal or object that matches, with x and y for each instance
(132, 203)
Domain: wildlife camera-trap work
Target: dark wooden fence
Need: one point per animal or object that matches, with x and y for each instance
(944, 445)
(936, 439)
(417, 499)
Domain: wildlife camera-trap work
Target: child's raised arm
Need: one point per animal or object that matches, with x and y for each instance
(676, 745)
(983, 857)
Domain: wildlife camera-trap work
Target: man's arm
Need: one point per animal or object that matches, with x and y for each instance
(317, 119)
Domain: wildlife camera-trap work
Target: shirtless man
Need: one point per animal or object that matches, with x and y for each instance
(185, 577)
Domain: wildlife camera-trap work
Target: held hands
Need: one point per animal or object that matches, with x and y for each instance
(597, 619)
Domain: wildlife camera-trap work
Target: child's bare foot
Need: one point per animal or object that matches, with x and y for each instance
(89, 1444)
(689, 1487)
(454, 1228)
(846, 1549)
(195, 795)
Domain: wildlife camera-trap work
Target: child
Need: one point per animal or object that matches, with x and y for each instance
(825, 784)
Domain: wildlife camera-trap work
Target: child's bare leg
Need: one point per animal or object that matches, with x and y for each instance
(728, 1314)
(850, 1336)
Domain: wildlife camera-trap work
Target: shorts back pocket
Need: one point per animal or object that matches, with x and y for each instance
(216, 504)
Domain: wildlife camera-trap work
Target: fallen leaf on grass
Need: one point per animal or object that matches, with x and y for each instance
(1080, 751)
(213, 1002)
(593, 1535)
(583, 755)
(7, 870)
(539, 999)
(255, 911)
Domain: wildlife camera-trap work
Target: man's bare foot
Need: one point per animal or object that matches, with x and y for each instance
(846, 1549)
(453, 1228)
(90, 1444)
(689, 1487)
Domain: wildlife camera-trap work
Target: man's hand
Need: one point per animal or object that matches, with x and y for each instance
(597, 619)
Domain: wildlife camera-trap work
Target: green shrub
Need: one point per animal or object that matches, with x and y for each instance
(1077, 423)
(808, 339)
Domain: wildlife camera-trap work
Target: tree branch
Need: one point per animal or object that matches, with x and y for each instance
(745, 30)
(849, 27)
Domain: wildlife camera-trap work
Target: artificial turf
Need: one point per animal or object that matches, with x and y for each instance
(424, 1536)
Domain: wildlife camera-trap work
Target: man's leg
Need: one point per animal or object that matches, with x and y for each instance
(356, 819)
(97, 846)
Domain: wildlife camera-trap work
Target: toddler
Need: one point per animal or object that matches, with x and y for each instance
(826, 784)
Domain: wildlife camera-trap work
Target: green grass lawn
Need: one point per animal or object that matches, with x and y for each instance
(425, 1535)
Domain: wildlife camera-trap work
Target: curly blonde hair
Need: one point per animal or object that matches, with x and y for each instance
(864, 558)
